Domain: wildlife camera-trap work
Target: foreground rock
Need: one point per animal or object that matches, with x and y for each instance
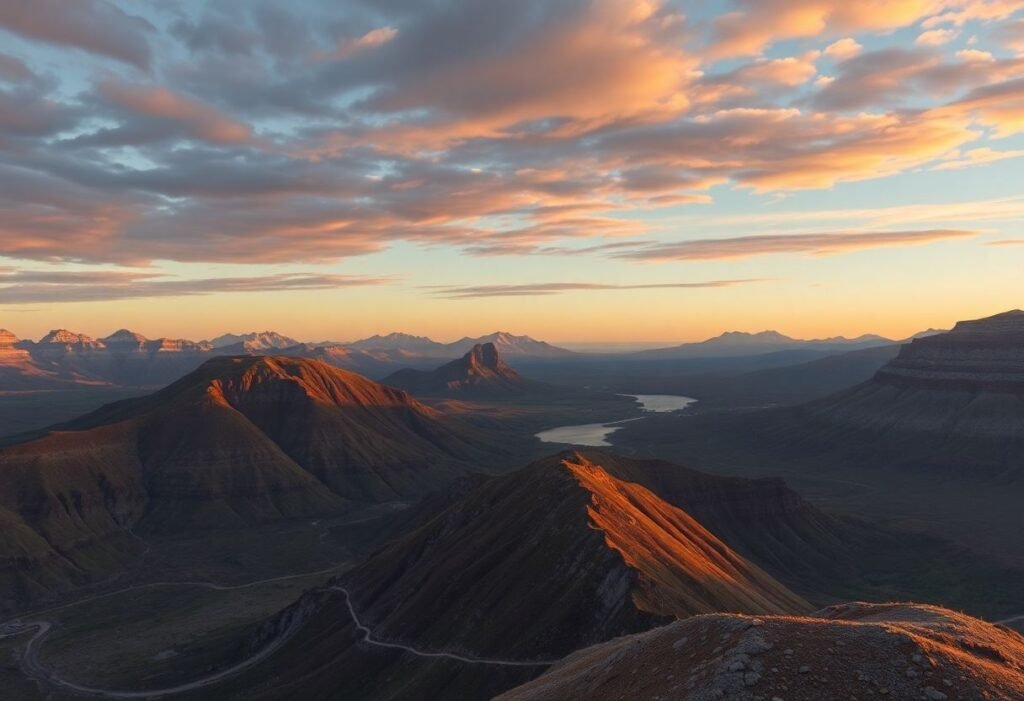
(851, 651)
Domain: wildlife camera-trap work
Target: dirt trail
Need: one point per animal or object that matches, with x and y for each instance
(370, 640)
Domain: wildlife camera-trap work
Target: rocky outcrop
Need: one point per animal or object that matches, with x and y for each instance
(897, 651)
(481, 372)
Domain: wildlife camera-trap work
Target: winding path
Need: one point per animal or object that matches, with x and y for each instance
(370, 640)
(34, 668)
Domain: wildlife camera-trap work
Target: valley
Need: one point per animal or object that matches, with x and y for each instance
(352, 588)
(537, 350)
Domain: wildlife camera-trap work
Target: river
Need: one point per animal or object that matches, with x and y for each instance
(596, 435)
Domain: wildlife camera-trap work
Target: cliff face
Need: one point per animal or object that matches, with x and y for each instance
(963, 389)
(983, 355)
(481, 372)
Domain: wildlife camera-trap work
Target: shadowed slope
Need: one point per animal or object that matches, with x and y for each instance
(524, 567)
(238, 441)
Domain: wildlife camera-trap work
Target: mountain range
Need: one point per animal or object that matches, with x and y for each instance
(570, 551)
(931, 440)
(739, 343)
(65, 359)
(241, 440)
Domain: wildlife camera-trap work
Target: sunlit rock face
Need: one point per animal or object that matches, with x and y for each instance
(980, 355)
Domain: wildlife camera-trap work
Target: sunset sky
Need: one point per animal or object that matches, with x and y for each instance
(578, 171)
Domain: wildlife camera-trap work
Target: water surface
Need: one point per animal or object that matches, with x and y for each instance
(596, 435)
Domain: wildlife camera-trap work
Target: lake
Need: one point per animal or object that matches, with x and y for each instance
(596, 435)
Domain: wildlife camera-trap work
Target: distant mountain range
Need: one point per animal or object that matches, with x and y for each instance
(64, 359)
(257, 340)
(739, 343)
(507, 343)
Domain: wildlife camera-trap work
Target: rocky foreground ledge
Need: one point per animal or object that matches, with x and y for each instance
(852, 651)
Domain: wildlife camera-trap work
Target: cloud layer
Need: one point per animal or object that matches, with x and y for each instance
(554, 288)
(265, 133)
(36, 287)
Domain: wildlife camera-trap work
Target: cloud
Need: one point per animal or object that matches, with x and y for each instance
(1010, 35)
(997, 105)
(843, 49)
(554, 288)
(757, 24)
(95, 26)
(36, 286)
(818, 244)
(578, 65)
(14, 70)
(936, 37)
(974, 55)
(165, 112)
(348, 47)
(314, 133)
(959, 12)
(977, 156)
(1006, 242)
(898, 76)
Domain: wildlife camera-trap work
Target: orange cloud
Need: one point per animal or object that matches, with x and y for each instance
(843, 49)
(977, 156)
(760, 23)
(936, 37)
(613, 61)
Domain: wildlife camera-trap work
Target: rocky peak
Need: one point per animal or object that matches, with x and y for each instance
(69, 340)
(485, 356)
(123, 338)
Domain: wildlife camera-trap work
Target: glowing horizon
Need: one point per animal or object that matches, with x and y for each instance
(578, 171)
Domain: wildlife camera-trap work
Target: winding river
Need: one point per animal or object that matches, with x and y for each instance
(596, 435)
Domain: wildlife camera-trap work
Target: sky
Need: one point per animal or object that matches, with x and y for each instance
(605, 170)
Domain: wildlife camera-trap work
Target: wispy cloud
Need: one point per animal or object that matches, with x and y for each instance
(817, 244)
(41, 286)
(554, 288)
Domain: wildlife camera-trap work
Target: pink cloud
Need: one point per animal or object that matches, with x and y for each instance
(198, 120)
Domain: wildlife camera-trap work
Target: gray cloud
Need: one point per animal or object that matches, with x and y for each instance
(96, 26)
(35, 286)
(553, 288)
(818, 244)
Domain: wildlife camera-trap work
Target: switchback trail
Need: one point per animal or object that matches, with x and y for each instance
(370, 640)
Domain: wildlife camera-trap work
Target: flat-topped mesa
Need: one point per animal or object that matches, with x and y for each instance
(979, 355)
